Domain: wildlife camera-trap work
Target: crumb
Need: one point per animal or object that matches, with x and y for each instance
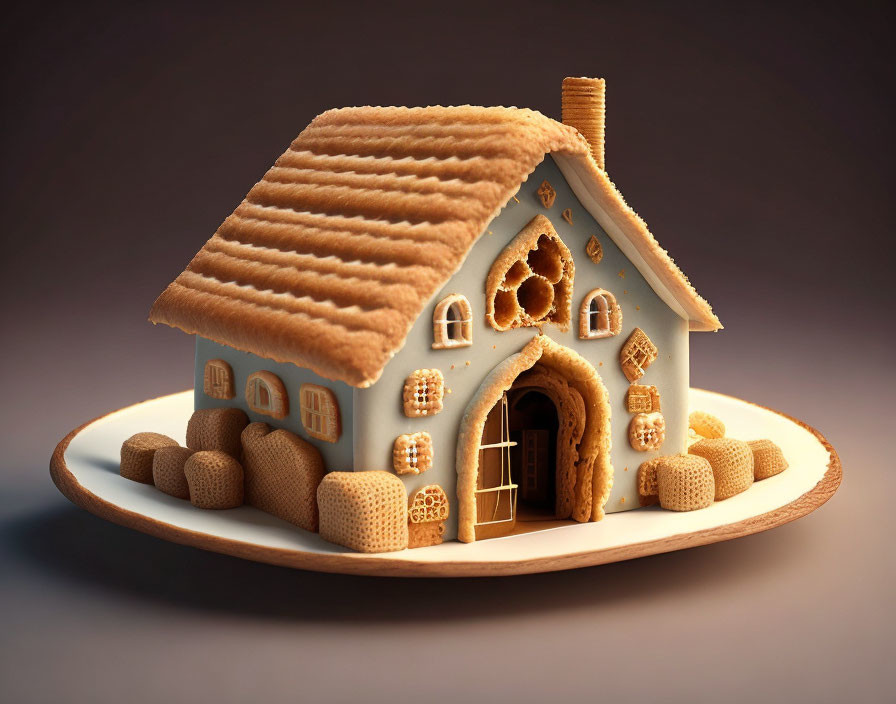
(622, 500)
(622, 275)
(451, 367)
(467, 362)
(637, 307)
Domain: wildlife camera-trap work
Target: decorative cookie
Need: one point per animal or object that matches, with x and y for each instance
(412, 454)
(685, 483)
(732, 464)
(768, 460)
(427, 511)
(282, 473)
(215, 480)
(217, 429)
(423, 393)
(547, 194)
(567, 215)
(642, 399)
(530, 283)
(594, 250)
(706, 425)
(599, 315)
(320, 412)
(364, 511)
(168, 471)
(637, 354)
(452, 323)
(648, 493)
(266, 394)
(647, 431)
(137, 454)
(218, 379)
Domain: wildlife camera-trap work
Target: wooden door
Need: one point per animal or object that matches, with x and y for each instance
(495, 492)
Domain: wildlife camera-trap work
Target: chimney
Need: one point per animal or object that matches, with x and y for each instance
(583, 108)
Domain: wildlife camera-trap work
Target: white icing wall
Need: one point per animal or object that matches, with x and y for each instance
(337, 456)
(378, 414)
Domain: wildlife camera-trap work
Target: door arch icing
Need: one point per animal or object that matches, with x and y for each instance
(592, 476)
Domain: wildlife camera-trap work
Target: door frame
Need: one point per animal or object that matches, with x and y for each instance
(594, 471)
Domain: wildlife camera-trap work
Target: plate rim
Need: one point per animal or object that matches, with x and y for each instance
(383, 565)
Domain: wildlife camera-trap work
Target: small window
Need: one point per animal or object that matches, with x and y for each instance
(423, 392)
(218, 379)
(266, 394)
(320, 412)
(412, 454)
(600, 315)
(452, 323)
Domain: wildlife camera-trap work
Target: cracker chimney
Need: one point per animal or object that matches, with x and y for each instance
(583, 108)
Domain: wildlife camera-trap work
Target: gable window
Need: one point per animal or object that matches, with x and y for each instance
(452, 323)
(599, 316)
(320, 412)
(266, 394)
(530, 282)
(218, 379)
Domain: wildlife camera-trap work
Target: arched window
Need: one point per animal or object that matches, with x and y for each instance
(599, 316)
(320, 412)
(452, 323)
(266, 394)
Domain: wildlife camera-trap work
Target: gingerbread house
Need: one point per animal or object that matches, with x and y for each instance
(458, 296)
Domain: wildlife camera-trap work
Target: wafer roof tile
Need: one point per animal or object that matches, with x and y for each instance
(334, 254)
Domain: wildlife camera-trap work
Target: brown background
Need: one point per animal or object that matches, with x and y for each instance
(756, 139)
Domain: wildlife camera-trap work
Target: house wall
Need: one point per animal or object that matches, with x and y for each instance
(378, 409)
(337, 456)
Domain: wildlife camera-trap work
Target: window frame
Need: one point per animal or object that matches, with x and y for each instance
(278, 400)
(217, 380)
(612, 314)
(319, 412)
(442, 326)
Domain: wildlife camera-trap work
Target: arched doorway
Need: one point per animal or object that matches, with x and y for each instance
(534, 443)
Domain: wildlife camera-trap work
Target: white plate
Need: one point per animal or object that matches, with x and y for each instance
(85, 468)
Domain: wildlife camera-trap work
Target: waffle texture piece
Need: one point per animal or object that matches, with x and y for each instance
(217, 429)
(706, 425)
(637, 354)
(137, 453)
(731, 461)
(647, 431)
(336, 252)
(423, 392)
(168, 471)
(768, 460)
(412, 453)
(685, 483)
(215, 480)
(282, 473)
(364, 511)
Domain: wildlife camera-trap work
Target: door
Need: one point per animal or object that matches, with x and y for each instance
(495, 491)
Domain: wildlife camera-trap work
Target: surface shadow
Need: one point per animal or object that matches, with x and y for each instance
(69, 543)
